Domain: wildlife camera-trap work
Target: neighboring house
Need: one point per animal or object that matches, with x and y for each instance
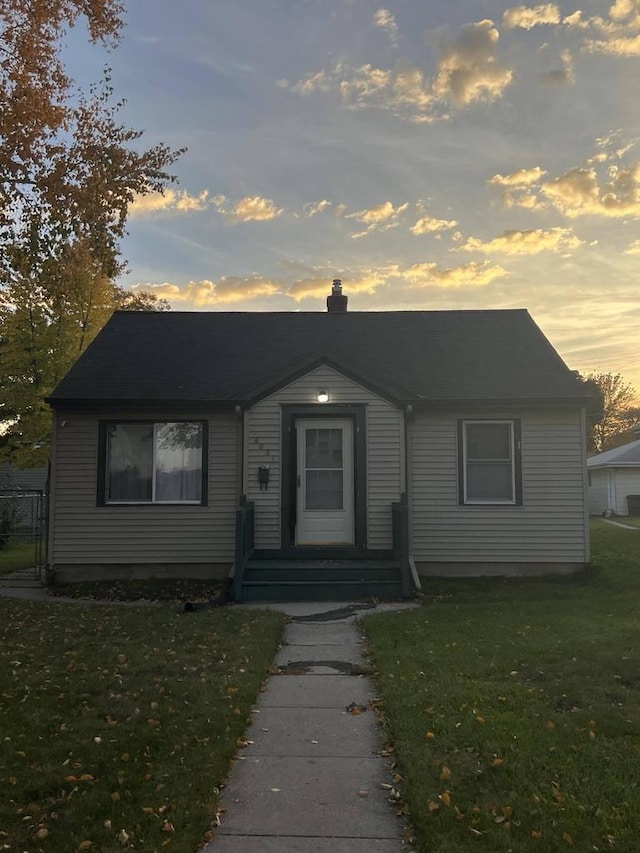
(613, 476)
(320, 454)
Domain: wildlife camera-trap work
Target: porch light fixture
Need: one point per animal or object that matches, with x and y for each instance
(322, 395)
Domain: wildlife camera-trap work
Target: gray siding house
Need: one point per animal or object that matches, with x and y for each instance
(613, 476)
(324, 454)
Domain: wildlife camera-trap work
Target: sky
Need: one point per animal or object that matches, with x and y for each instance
(450, 154)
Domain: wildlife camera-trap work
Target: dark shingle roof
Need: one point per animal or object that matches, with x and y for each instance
(234, 357)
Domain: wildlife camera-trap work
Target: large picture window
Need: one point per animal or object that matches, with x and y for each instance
(154, 462)
(490, 462)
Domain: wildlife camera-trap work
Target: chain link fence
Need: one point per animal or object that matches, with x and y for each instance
(23, 522)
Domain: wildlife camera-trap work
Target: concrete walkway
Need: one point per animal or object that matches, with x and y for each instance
(312, 777)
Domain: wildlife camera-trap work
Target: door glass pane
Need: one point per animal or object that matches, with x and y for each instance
(323, 448)
(129, 462)
(179, 462)
(323, 489)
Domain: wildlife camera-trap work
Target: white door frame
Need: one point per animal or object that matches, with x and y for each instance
(334, 526)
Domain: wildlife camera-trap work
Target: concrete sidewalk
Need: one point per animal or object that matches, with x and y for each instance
(311, 779)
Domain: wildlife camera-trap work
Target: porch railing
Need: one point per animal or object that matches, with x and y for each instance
(400, 532)
(245, 523)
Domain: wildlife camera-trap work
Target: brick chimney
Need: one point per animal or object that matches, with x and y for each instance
(337, 301)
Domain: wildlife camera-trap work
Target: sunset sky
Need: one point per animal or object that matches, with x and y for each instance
(444, 154)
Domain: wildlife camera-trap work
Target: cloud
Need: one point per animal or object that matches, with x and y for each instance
(575, 21)
(519, 178)
(170, 201)
(528, 17)
(468, 71)
(430, 225)
(205, 294)
(385, 20)
(320, 81)
(529, 242)
(563, 76)
(633, 248)
(623, 46)
(314, 207)
(579, 192)
(621, 29)
(600, 187)
(253, 209)
(381, 217)
(471, 274)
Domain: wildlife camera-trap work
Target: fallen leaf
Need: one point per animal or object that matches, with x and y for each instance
(496, 761)
(568, 840)
(42, 833)
(432, 806)
(445, 798)
(84, 846)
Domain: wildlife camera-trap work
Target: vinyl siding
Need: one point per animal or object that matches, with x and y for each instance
(627, 482)
(549, 526)
(385, 452)
(84, 533)
(598, 491)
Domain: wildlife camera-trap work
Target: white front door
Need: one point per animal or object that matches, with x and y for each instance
(325, 482)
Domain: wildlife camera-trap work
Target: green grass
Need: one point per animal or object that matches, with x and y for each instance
(19, 555)
(631, 520)
(117, 724)
(513, 707)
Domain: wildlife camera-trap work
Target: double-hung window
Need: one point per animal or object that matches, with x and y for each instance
(153, 463)
(490, 462)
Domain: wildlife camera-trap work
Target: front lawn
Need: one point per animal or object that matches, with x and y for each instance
(513, 707)
(118, 723)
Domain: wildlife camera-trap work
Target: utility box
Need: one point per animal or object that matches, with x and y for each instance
(633, 502)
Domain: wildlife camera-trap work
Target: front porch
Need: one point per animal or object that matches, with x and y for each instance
(321, 574)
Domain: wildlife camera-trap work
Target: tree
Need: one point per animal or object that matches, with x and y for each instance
(68, 173)
(613, 411)
(68, 169)
(48, 317)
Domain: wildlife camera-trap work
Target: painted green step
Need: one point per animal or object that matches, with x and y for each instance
(285, 574)
(322, 564)
(317, 591)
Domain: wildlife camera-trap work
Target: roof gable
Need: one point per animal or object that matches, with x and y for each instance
(229, 358)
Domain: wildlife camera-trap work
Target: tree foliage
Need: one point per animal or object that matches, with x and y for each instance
(47, 319)
(68, 173)
(614, 409)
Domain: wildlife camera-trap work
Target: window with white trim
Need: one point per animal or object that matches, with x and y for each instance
(490, 462)
(154, 462)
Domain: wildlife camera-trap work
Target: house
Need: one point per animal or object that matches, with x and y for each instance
(613, 476)
(318, 454)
